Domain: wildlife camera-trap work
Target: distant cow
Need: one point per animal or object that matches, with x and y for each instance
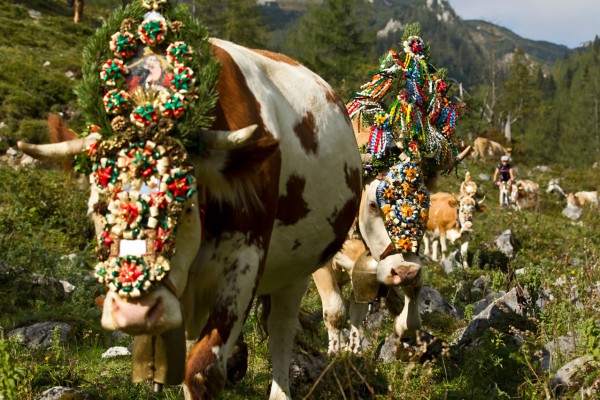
(526, 195)
(553, 187)
(580, 199)
(450, 217)
(485, 149)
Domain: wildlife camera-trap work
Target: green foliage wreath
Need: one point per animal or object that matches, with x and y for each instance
(199, 113)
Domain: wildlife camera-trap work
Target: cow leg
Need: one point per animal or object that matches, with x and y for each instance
(443, 245)
(434, 249)
(78, 11)
(283, 326)
(333, 307)
(409, 321)
(464, 248)
(232, 295)
(358, 311)
(426, 250)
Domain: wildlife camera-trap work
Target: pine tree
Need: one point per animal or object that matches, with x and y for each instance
(519, 97)
(239, 21)
(334, 40)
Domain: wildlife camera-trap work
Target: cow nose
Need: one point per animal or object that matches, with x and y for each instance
(140, 315)
(406, 274)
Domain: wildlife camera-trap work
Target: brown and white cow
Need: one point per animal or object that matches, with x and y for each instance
(525, 195)
(450, 218)
(377, 258)
(486, 149)
(581, 199)
(282, 180)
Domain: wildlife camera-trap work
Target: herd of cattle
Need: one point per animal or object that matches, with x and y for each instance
(268, 201)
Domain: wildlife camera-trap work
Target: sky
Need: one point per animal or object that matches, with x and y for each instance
(566, 22)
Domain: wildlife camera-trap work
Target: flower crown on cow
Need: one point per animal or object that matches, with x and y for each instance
(147, 91)
(409, 135)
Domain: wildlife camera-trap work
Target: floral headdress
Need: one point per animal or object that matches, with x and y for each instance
(148, 96)
(410, 134)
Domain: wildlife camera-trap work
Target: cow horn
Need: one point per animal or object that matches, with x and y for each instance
(461, 157)
(227, 140)
(480, 202)
(56, 152)
(464, 154)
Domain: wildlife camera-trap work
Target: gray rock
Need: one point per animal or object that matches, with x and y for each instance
(542, 168)
(507, 244)
(34, 14)
(386, 351)
(481, 285)
(485, 302)
(41, 334)
(452, 262)
(67, 286)
(570, 376)
(60, 392)
(504, 312)
(553, 352)
(116, 351)
(432, 301)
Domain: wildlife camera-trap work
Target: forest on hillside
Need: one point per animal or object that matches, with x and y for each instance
(546, 118)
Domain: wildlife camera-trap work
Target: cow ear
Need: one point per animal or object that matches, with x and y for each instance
(452, 203)
(251, 156)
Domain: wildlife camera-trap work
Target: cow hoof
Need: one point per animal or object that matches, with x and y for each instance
(237, 364)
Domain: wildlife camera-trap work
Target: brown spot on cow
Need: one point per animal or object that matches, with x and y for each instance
(338, 219)
(237, 107)
(277, 57)
(332, 97)
(339, 223)
(202, 379)
(354, 181)
(306, 132)
(293, 203)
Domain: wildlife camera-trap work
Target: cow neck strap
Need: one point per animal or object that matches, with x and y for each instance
(388, 250)
(169, 284)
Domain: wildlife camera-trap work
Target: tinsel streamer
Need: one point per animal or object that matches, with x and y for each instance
(377, 88)
(379, 141)
(395, 111)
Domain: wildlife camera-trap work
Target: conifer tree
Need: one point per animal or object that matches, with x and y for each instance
(239, 21)
(335, 40)
(519, 97)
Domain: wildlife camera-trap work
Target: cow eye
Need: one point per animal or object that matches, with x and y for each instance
(372, 206)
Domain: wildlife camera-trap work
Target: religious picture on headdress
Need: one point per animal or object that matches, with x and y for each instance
(150, 70)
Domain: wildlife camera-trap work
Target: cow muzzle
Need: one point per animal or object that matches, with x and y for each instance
(145, 315)
(399, 269)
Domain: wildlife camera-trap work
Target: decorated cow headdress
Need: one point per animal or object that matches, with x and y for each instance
(148, 88)
(409, 134)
